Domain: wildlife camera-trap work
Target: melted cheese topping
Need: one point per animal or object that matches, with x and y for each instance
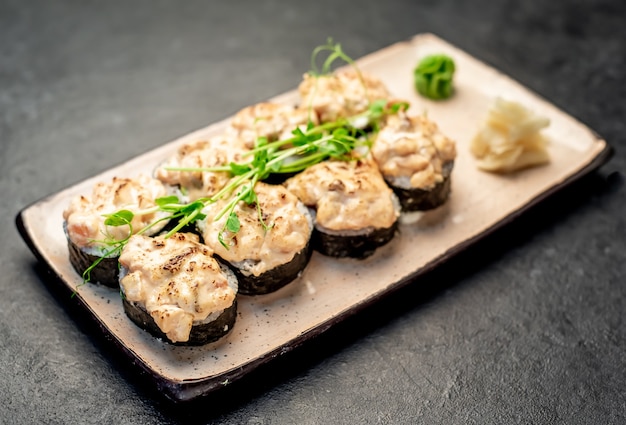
(510, 138)
(272, 120)
(176, 280)
(257, 249)
(84, 216)
(347, 195)
(412, 150)
(215, 152)
(340, 95)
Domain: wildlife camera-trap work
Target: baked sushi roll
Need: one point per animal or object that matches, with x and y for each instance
(92, 242)
(416, 160)
(176, 290)
(271, 246)
(194, 183)
(342, 94)
(355, 211)
(273, 121)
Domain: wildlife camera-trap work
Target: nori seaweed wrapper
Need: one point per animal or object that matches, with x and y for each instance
(202, 333)
(351, 244)
(414, 199)
(274, 279)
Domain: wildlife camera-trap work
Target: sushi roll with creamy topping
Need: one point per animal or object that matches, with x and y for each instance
(217, 151)
(416, 160)
(271, 246)
(90, 240)
(273, 121)
(340, 95)
(174, 289)
(355, 211)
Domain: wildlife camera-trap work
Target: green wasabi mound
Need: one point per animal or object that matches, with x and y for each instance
(433, 76)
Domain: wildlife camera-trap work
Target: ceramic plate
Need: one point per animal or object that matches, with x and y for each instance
(330, 290)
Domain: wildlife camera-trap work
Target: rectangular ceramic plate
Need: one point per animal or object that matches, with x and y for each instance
(330, 290)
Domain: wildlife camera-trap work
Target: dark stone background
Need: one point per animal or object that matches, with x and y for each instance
(526, 327)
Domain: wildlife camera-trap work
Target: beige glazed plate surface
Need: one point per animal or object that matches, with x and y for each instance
(330, 290)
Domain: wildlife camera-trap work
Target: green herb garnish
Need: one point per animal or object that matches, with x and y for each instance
(335, 52)
(433, 76)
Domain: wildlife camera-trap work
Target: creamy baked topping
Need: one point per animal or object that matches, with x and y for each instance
(217, 151)
(340, 95)
(272, 120)
(256, 247)
(176, 280)
(347, 195)
(412, 150)
(510, 138)
(85, 215)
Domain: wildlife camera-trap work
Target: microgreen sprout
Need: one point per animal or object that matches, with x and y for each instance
(334, 52)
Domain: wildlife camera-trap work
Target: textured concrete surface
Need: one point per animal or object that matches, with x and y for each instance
(527, 327)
